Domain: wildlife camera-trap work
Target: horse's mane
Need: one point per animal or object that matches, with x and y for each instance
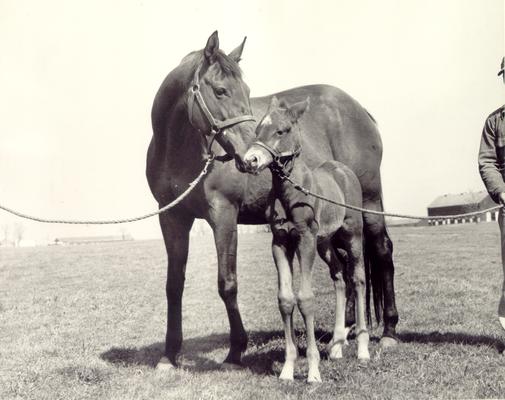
(227, 64)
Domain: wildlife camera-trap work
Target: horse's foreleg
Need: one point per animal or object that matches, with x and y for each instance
(380, 249)
(306, 252)
(175, 227)
(329, 255)
(283, 257)
(224, 225)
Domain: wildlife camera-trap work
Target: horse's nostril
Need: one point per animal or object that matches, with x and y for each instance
(253, 160)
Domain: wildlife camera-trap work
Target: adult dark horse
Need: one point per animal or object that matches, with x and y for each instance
(204, 103)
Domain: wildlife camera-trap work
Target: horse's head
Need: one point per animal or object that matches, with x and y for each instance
(276, 138)
(218, 100)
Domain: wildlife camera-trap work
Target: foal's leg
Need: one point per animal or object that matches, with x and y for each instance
(283, 257)
(329, 255)
(175, 226)
(356, 270)
(306, 252)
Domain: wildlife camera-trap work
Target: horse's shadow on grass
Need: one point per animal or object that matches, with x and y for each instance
(266, 349)
(451, 338)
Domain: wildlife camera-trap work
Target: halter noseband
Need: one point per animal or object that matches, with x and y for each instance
(281, 159)
(216, 127)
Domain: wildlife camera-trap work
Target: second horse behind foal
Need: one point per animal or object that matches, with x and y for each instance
(302, 224)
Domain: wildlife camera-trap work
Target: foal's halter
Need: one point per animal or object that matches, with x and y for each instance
(281, 159)
(217, 127)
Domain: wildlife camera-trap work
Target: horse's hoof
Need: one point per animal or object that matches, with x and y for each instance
(165, 365)
(387, 342)
(227, 366)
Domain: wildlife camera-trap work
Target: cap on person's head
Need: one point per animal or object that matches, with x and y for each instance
(502, 70)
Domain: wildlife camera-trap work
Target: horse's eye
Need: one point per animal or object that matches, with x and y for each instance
(279, 132)
(220, 91)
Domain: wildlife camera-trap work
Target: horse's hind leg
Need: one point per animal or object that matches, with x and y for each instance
(328, 253)
(175, 227)
(283, 256)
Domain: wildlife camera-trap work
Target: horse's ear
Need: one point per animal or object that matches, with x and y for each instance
(236, 55)
(211, 48)
(297, 109)
(274, 103)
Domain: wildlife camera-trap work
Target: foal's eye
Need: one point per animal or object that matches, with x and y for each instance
(283, 131)
(220, 91)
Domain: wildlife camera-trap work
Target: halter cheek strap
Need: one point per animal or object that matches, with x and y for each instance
(216, 126)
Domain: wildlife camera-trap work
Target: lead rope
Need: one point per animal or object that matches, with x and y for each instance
(170, 205)
(384, 213)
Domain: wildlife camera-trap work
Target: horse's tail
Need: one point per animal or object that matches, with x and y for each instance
(368, 283)
(375, 281)
(376, 274)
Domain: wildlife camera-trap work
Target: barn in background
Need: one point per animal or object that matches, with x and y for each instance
(453, 204)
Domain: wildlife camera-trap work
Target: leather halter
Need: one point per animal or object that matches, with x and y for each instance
(217, 127)
(281, 159)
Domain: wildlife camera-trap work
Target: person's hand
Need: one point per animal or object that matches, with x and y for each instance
(502, 198)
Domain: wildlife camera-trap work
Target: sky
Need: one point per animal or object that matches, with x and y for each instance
(77, 81)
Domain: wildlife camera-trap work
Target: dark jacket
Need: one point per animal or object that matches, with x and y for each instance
(492, 154)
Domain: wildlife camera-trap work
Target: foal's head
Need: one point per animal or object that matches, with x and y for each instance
(277, 136)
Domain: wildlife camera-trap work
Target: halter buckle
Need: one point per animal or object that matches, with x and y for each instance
(214, 130)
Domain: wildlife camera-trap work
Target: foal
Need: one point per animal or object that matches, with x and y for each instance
(301, 224)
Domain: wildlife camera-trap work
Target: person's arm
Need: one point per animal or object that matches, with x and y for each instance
(488, 163)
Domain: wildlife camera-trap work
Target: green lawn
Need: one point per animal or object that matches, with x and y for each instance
(87, 322)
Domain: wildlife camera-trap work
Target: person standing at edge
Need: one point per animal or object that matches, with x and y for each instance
(492, 171)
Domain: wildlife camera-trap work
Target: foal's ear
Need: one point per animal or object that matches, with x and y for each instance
(236, 55)
(211, 48)
(297, 109)
(274, 103)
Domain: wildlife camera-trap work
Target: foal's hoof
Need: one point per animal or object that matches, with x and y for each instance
(165, 365)
(227, 366)
(314, 378)
(334, 351)
(387, 342)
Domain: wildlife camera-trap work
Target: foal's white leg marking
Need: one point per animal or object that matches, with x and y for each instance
(339, 331)
(286, 306)
(358, 279)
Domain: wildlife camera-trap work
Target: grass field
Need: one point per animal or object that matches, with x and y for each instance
(88, 322)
